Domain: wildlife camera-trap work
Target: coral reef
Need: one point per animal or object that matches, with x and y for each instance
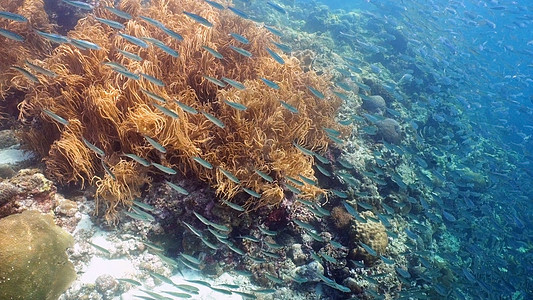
(14, 52)
(374, 104)
(33, 262)
(370, 233)
(115, 113)
(390, 130)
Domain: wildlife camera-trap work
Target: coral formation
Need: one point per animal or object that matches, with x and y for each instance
(33, 262)
(33, 47)
(115, 113)
(390, 130)
(374, 104)
(370, 233)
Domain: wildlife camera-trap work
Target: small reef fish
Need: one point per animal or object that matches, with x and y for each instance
(186, 107)
(153, 246)
(215, 81)
(194, 230)
(209, 244)
(315, 92)
(55, 116)
(304, 150)
(11, 35)
(79, 4)
(321, 158)
(252, 193)
(276, 7)
(111, 23)
(303, 224)
(264, 176)
(239, 38)
(155, 144)
(339, 194)
(177, 188)
(100, 248)
(307, 180)
(209, 223)
(130, 281)
(153, 22)
(52, 37)
(203, 162)
(119, 13)
(138, 159)
(162, 46)
(164, 169)
(239, 12)
(214, 119)
(293, 189)
(154, 96)
(26, 74)
(234, 83)
(235, 105)
(191, 259)
(173, 34)
(13, 17)
(274, 30)
(323, 170)
(127, 73)
(241, 51)
(234, 248)
(84, 45)
(215, 4)
(91, 146)
(161, 277)
(143, 214)
(273, 278)
(136, 216)
(282, 47)
(213, 52)
(134, 40)
(368, 249)
(275, 56)
(40, 69)
(166, 111)
(233, 205)
(107, 169)
(144, 206)
(270, 83)
(153, 80)
(289, 107)
(230, 175)
(250, 238)
(266, 231)
(199, 19)
(294, 181)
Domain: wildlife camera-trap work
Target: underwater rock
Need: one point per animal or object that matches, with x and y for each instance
(33, 261)
(370, 233)
(297, 254)
(7, 139)
(390, 130)
(106, 285)
(341, 218)
(353, 285)
(29, 189)
(374, 104)
(309, 271)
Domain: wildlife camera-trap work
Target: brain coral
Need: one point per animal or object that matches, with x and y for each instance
(189, 116)
(370, 233)
(33, 262)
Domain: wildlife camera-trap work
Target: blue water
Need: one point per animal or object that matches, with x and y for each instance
(473, 108)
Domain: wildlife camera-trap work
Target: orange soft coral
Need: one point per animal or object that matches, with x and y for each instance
(114, 112)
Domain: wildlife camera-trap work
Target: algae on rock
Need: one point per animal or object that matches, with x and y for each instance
(33, 261)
